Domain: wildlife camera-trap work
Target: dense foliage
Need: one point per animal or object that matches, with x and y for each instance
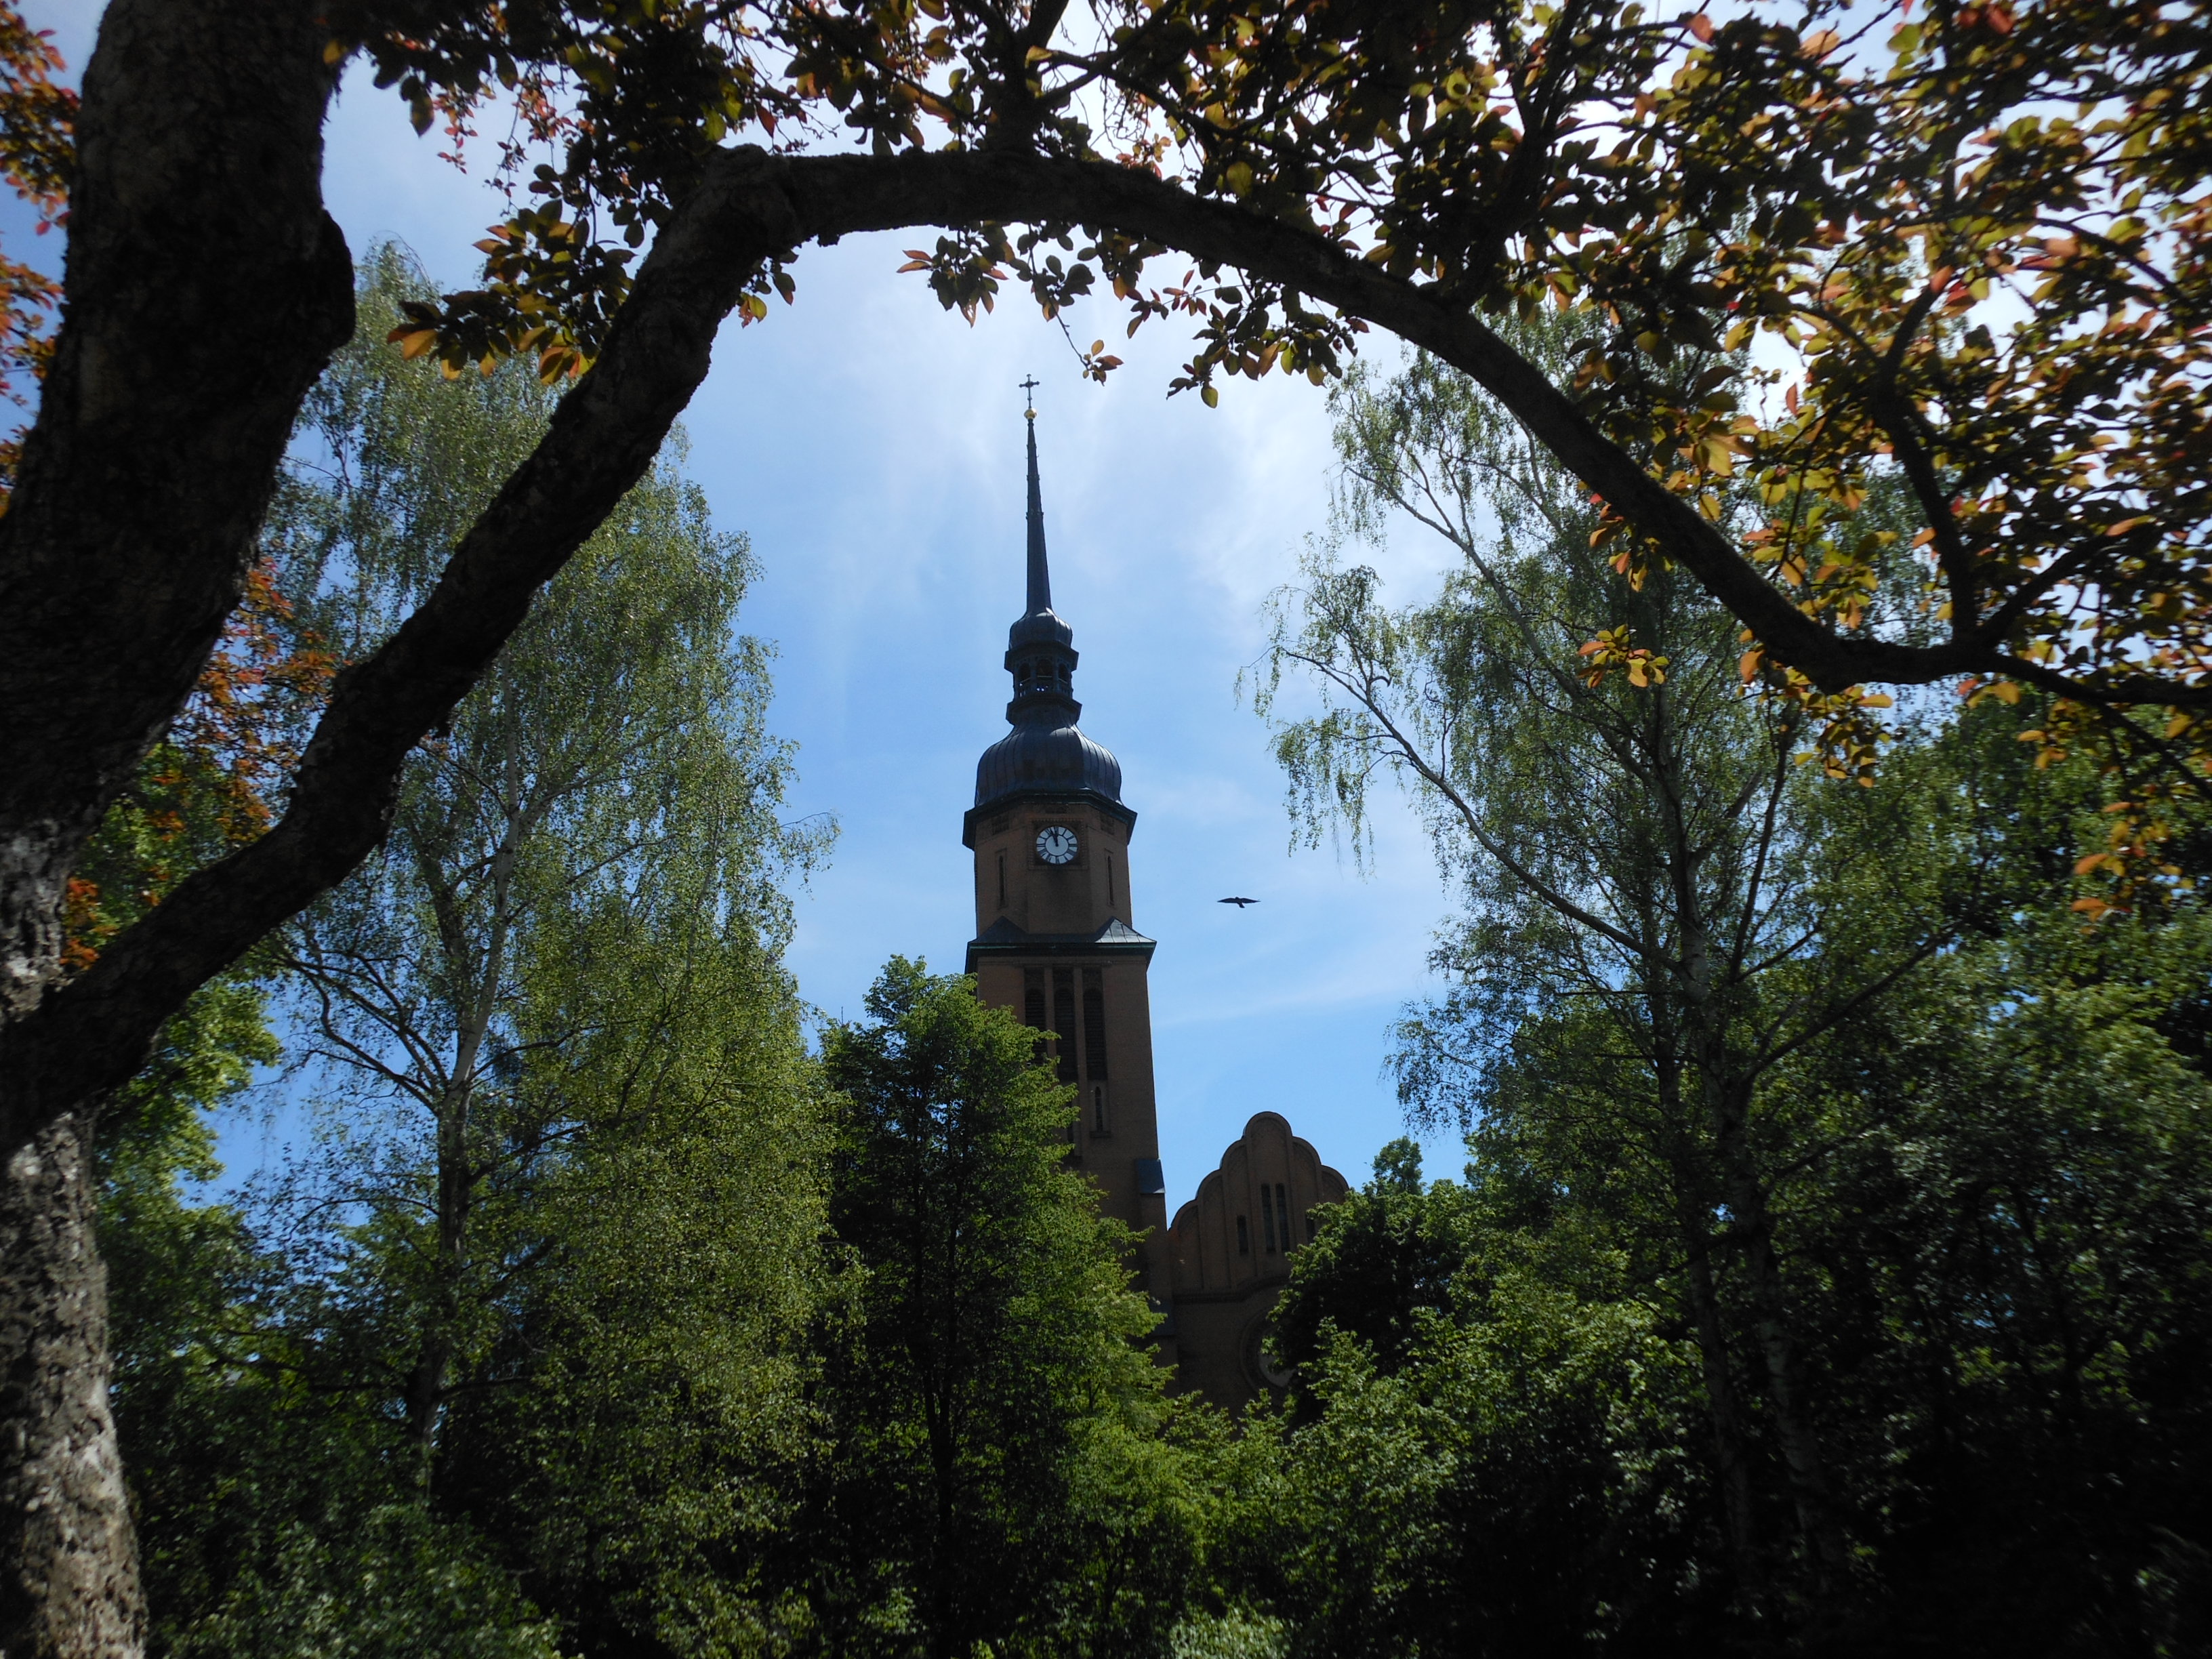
(1973, 238)
(1832, 1270)
(1858, 185)
(1832, 1252)
(1006, 1474)
(596, 1315)
(1996, 1227)
(527, 1317)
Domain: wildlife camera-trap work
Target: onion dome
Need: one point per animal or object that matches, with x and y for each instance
(1045, 753)
(1039, 756)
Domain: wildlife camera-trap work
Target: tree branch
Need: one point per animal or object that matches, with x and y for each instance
(91, 1033)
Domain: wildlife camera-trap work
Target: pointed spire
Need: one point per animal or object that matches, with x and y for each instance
(1040, 648)
(1040, 574)
(1045, 753)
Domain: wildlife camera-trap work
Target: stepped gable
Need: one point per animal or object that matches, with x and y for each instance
(1230, 1251)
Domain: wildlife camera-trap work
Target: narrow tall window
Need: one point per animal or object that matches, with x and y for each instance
(1283, 1213)
(1243, 1237)
(1098, 1108)
(1110, 900)
(1310, 1228)
(1063, 1019)
(1033, 1014)
(1094, 1026)
(1002, 878)
(1267, 1215)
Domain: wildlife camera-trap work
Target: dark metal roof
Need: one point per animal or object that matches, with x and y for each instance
(1045, 756)
(1003, 939)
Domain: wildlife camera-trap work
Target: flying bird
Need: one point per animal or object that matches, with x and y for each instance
(1239, 903)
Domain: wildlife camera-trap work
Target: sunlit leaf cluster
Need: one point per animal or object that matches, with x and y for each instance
(215, 779)
(1965, 246)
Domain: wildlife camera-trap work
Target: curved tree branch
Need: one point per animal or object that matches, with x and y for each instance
(94, 1031)
(941, 187)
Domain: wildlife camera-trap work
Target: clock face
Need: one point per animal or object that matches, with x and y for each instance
(1057, 845)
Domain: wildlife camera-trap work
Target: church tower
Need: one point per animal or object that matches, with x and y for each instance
(1055, 935)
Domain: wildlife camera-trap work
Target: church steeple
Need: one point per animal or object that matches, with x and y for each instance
(1046, 754)
(1045, 750)
(1040, 650)
(1040, 573)
(1056, 932)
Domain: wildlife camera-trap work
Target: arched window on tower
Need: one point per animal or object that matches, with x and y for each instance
(1243, 1237)
(1033, 1013)
(1267, 1215)
(1063, 1019)
(1094, 1025)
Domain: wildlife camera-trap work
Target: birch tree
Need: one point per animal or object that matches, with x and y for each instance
(1638, 844)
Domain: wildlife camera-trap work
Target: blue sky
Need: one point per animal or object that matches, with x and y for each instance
(870, 445)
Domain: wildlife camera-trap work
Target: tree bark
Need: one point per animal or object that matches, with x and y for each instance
(206, 288)
(69, 1565)
(1723, 1410)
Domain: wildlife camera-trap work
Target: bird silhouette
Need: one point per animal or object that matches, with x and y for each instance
(1239, 903)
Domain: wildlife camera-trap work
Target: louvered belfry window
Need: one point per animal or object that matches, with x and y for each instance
(1063, 1019)
(1033, 1013)
(1094, 1026)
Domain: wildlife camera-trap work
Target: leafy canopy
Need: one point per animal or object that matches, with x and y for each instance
(1006, 1473)
(1973, 235)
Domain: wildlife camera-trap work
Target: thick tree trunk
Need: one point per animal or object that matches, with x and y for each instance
(197, 198)
(1731, 1443)
(69, 1567)
(1704, 1014)
(1753, 1229)
(206, 288)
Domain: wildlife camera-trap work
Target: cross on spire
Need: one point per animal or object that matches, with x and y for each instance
(1029, 397)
